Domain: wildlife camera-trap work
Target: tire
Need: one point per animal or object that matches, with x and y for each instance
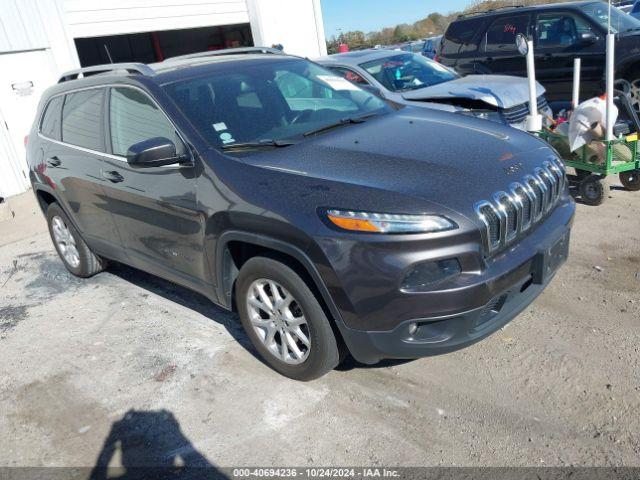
(592, 190)
(634, 93)
(631, 180)
(582, 174)
(294, 303)
(83, 263)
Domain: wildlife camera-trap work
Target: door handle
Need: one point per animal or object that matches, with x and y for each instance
(113, 176)
(54, 162)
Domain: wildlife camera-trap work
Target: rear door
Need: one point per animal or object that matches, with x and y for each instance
(499, 52)
(73, 125)
(155, 209)
(459, 47)
(558, 36)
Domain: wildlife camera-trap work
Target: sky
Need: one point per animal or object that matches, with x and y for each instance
(369, 15)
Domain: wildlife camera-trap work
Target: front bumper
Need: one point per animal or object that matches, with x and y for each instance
(507, 287)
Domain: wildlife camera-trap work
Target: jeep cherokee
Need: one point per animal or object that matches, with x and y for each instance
(332, 223)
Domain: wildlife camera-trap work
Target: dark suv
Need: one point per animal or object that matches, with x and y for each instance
(485, 43)
(330, 221)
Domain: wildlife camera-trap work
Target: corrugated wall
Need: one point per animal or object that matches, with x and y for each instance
(93, 18)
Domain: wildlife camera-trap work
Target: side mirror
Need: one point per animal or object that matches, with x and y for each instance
(522, 45)
(154, 152)
(588, 38)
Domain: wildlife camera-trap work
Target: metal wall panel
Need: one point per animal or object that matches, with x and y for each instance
(93, 18)
(21, 27)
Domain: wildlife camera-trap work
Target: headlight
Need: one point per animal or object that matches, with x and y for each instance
(491, 115)
(389, 223)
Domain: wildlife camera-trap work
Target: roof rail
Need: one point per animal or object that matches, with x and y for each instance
(139, 68)
(491, 10)
(228, 51)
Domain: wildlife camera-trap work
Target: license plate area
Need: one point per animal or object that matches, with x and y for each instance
(547, 262)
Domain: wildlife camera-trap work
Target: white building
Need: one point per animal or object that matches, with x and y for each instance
(40, 39)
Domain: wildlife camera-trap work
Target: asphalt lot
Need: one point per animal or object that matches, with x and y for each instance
(132, 370)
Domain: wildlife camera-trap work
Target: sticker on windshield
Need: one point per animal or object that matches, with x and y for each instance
(338, 83)
(219, 127)
(226, 137)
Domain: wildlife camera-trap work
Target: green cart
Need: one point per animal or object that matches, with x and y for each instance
(595, 161)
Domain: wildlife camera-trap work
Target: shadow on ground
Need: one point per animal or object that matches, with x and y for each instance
(198, 303)
(150, 445)
(186, 298)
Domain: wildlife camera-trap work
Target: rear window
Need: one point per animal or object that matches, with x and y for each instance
(50, 124)
(82, 119)
(501, 35)
(460, 36)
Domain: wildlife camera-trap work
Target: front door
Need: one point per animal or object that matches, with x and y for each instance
(23, 78)
(559, 40)
(155, 209)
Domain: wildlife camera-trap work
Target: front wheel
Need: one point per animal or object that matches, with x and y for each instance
(592, 190)
(284, 320)
(73, 251)
(631, 180)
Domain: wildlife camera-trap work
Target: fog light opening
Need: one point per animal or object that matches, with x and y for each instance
(424, 276)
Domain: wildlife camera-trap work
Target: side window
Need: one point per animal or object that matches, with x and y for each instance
(295, 86)
(501, 35)
(560, 29)
(82, 119)
(133, 118)
(350, 75)
(50, 124)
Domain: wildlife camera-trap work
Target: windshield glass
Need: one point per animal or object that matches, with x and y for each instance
(408, 71)
(269, 99)
(620, 21)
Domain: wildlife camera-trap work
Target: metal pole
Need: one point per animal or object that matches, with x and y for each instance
(577, 65)
(611, 39)
(534, 120)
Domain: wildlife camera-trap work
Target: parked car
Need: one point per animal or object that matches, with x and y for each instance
(485, 44)
(430, 47)
(331, 222)
(413, 47)
(411, 79)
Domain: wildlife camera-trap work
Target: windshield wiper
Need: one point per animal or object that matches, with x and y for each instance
(340, 123)
(268, 143)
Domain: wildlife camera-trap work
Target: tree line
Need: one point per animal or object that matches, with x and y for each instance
(432, 25)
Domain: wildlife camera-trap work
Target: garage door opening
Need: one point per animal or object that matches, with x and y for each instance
(152, 47)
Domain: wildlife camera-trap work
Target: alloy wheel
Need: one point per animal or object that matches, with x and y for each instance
(65, 242)
(278, 321)
(635, 95)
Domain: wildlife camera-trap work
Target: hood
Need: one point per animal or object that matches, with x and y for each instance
(500, 91)
(444, 158)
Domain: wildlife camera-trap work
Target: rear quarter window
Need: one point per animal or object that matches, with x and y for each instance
(462, 36)
(82, 119)
(51, 120)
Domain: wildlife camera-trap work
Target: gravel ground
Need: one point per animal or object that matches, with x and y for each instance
(130, 369)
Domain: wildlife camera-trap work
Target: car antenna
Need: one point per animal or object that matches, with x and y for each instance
(106, 49)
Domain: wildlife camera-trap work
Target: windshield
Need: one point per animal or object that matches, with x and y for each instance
(269, 100)
(620, 21)
(408, 71)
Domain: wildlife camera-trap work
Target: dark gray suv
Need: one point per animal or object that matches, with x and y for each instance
(332, 223)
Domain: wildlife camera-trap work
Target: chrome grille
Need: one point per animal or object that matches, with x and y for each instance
(518, 113)
(511, 213)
